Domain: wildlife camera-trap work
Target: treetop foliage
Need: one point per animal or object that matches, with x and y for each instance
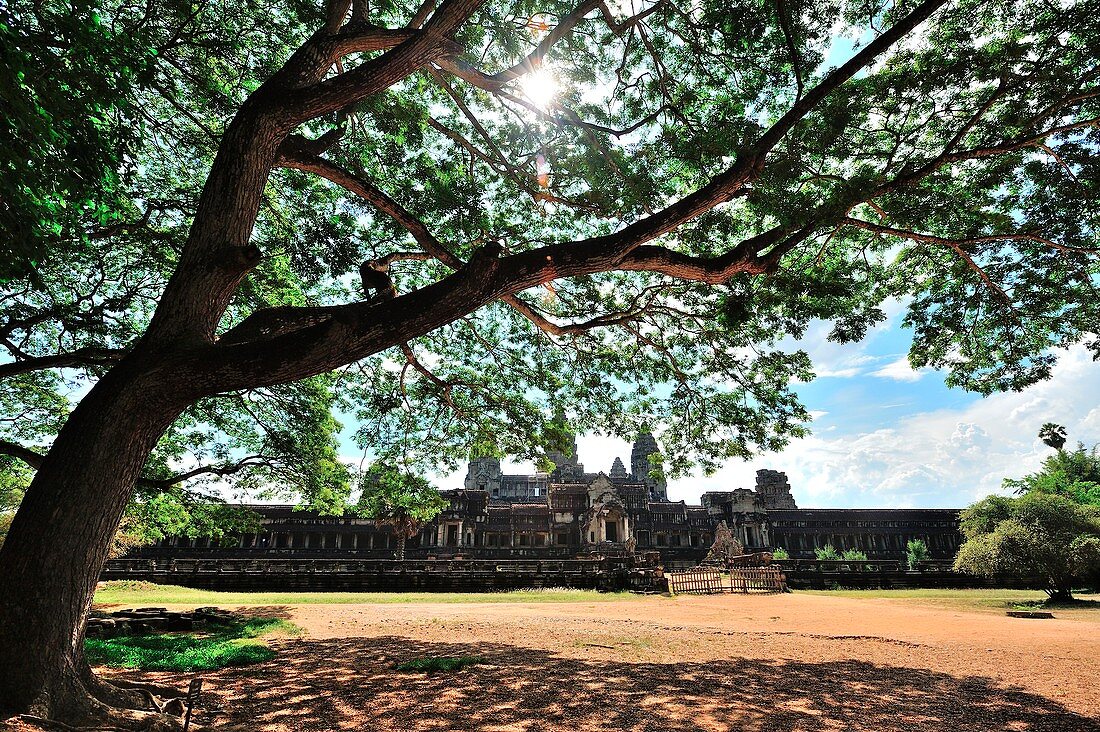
(955, 170)
(1072, 474)
(402, 501)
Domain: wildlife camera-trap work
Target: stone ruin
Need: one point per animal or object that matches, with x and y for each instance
(774, 487)
(144, 620)
(725, 546)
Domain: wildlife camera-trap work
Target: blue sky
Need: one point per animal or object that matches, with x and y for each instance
(885, 435)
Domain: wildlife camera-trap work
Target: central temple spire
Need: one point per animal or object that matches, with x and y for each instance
(565, 439)
(642, 467)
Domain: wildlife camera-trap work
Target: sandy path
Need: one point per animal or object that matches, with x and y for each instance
(789, 662)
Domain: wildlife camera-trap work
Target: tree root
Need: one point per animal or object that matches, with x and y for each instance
(167, 692)
(86, 703)
(109, 720)
(136, 695)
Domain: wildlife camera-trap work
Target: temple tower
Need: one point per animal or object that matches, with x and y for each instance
(640, 467)
(618, 472)
(483, 474)
(774, 488)
(568, 457)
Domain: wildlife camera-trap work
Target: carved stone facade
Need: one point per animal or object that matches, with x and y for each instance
(484, 474)
(569, 512)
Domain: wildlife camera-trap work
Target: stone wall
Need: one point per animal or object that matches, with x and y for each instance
(458, 575)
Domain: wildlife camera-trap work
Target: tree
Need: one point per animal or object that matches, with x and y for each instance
(1053, 435)
(402, 502)
(1072, 474)
(916, 551)
(387, 199)
(1035, 535)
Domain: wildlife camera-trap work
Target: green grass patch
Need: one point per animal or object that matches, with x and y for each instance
(131, 594)
(435, 664)
(236, 644)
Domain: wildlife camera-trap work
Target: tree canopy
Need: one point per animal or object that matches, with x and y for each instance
(954, 172)
(400, 501)
(1072, 474)
(1038, 535)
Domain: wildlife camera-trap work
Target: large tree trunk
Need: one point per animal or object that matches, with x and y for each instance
(60, 538)
(61, 535)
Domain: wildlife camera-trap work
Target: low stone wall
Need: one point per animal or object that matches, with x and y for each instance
(155, 620)
(685, 556)
(888, 574)
(355, 575)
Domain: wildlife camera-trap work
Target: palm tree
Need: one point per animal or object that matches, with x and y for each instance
(1054, 435)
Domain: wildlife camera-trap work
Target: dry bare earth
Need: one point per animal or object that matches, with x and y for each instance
(790, 662)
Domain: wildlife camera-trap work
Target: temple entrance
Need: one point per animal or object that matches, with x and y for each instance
(452, 535)
(611, 529)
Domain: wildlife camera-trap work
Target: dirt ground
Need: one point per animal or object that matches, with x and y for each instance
(796, 663)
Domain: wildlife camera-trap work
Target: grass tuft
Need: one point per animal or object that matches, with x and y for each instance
(435, 664)
(233, 645)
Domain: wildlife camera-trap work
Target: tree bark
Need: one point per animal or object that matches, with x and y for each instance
(61, 536)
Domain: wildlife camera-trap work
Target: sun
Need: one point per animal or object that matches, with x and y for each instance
(539, 87)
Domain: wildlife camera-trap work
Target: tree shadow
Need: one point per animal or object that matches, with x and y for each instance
(352, 684)
(279, 612)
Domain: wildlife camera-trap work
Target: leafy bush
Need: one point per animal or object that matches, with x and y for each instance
(827, 553)
(916, 551)
(780, 553)
(854, 555)
(1038, 534)
(1073, 474)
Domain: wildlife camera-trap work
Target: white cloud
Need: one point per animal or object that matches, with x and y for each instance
(946, 457)
(900, 370)
(846, 360)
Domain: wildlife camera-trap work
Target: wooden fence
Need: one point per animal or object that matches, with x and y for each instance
(698, 581)
(757, 579)
(711, 581)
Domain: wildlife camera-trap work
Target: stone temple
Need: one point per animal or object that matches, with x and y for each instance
(570, 512)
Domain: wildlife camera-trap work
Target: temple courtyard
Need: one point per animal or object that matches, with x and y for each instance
(876, 661)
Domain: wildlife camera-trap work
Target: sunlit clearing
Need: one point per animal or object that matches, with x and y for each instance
(539, 86)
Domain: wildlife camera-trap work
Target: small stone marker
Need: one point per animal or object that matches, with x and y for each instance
(1029, 614)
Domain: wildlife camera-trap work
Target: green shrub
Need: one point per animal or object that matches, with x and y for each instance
(780, 553)
(827, 553)
(916, 551)
(854, 555)
(1039, 535)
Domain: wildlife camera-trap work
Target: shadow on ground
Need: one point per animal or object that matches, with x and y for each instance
(279, 612)
(352, 684)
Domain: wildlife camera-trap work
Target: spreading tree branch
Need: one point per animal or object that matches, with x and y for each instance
(34, 460)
